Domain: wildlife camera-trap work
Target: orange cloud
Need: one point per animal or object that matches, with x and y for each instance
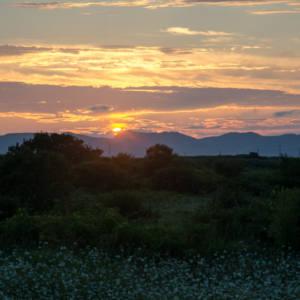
(119, 66)
(49, 118)
(187, 31)
(267, 12)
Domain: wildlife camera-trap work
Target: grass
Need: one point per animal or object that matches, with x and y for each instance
(46, 273)
(173, 208)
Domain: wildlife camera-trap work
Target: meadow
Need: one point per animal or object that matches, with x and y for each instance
(77, 225)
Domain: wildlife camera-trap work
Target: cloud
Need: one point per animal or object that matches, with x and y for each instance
(12, 50)
(148, 4)
(49, 5)
(150, 91)
(285, 113)
(135, 66)
(221, 39)
(267, 12)
(194, 111)
(187, 31)
(101, 108)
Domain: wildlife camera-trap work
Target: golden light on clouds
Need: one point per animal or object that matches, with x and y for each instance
(187, 31)
(150, 66)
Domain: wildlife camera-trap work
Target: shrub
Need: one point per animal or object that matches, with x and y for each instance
(8, 206)
(229, 198)
(129, 203)
(37, 179)
(103, 176)
(248, 222)
(181, 180)
(125, 161)
(285, 226)
(230, 168)
(289, 170)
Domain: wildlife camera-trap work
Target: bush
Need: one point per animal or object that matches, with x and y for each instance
(248, 222)
(37, 179)
(103, 176)
(285, 226)
(8, 206)
(230, 168)
(129, 204)
(85, 229)
(228, 198)
(180, 180)
(125, 161)
(289, 170)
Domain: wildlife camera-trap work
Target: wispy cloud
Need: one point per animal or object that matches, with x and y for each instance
(12, 50)
(101, 108)
(50, 5)
(268, 12)
(285, 113)
(187, 31)
(68, 5)
(149, 4)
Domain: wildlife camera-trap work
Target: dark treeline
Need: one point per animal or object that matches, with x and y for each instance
(57, 189)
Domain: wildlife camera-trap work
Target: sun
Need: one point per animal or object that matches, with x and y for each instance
(116, 129)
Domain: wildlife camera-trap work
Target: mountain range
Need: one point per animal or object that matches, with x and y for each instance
(136, 143)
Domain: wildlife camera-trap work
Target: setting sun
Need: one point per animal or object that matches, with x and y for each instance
(116, 129)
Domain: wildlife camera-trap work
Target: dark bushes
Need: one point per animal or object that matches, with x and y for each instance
(71, 148)
(8, 206)
(103, 176)
(289, 170)
(37, 179)
(181, 180)
(128, 203)
(285, 226)
(230, 168)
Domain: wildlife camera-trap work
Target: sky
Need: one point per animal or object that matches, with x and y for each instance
(202, 68)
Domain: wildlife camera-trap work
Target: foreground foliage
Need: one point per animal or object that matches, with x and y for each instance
(54, 188)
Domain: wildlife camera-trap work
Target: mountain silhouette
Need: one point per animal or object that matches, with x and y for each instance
(136, 143)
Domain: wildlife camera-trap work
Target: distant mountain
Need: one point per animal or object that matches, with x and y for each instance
(12, 139)
(136, 143)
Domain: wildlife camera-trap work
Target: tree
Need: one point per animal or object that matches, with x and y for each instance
(36, 178)
(71, 148)
(159, 150)
(157, 157)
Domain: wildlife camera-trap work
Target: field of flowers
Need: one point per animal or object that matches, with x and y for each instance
(45, 273)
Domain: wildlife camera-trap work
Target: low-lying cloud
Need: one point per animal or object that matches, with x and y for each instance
(101, 108)
(187, 31)
(285, 113)
(268, 12)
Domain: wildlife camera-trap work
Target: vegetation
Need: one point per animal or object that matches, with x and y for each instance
(90, 273)
(165, 208)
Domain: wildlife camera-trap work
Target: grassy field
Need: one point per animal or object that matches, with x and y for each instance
(71, 273)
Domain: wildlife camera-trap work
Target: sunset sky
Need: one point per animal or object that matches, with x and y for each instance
(202, 68)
